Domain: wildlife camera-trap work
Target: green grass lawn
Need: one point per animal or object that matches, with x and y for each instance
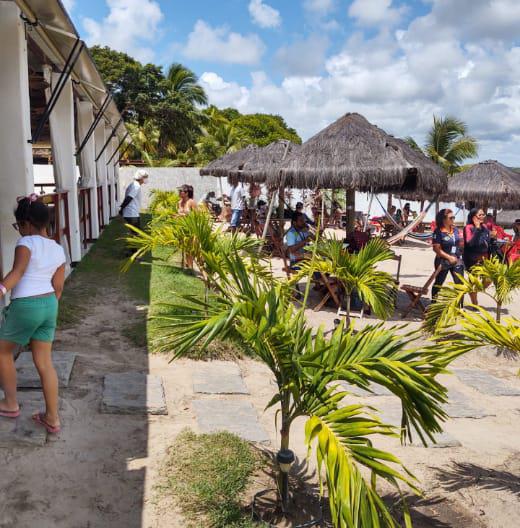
(156, 279)
(208, 474)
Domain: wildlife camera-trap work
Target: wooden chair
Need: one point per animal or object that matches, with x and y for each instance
(332, 290)
(415, 293)
(398, 259)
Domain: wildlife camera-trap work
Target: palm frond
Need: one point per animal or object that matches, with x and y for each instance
(342, 442)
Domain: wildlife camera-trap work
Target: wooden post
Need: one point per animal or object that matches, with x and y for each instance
(350, 205)
(281, 210)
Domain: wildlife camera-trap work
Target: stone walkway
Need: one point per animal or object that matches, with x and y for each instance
(222, 401)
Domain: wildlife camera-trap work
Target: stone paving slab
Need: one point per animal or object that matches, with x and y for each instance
(238, 417)
(486, 383)
(218, 377)
(460, 406)
(133, 393)
(23, 431)
(391, 414)
(27, 375)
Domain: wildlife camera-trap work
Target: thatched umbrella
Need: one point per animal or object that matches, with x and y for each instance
(264, 160)
(488, 183)
(233, 161)
(351, 153)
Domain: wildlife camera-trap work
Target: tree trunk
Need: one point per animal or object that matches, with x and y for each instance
(348, 297)
(499, 309)
(389, 202)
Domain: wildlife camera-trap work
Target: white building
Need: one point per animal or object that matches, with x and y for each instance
(51, 95)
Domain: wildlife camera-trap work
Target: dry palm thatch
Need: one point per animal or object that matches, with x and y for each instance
(351, 153)
(487, 183)
(230, 162)
(264, 160)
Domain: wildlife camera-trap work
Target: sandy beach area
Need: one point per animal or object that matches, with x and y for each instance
(104, 470)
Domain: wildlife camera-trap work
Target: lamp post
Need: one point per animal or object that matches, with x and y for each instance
(285, 459)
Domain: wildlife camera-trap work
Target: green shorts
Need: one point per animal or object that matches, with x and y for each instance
(30, 318)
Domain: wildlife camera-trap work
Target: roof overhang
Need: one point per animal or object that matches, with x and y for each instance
(51, 29)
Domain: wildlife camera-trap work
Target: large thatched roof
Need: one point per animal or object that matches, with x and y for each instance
(264, 160)
(353, 153)
(486, 183)
(230, 162)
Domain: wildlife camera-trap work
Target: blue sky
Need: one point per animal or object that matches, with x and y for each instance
(396, 62)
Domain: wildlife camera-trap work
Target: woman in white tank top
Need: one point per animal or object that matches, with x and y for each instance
(36, 283)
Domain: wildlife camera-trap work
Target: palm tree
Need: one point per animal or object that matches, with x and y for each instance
(492, 277)
(250, 304)
(145, 141)
(218, 138)
(356, 272)
(183, 81)
(448, 143)
(479, 330)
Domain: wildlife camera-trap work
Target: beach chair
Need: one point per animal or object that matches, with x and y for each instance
(415, 293)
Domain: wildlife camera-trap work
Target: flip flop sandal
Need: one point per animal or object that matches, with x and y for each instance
(40, 418)
(10, 414)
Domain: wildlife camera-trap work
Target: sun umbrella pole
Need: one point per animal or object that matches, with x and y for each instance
(323, 209)
(365, 225)
(220, 187)
(268, 218)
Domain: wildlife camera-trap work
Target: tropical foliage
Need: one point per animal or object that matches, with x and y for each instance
(493, 278)
(313, 371)
(163, 203)
(481, 329)
(166, 117)
(448, 143)
(356, 272)
(312, 374)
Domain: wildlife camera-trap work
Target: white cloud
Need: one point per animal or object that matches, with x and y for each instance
(127, 27)
(482, 19)
(222, 93)
(264, 15)
(221, 45)
(398, 81)
(319, 6)
(375, 12)
(302, 57)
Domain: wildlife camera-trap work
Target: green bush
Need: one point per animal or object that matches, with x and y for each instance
(163, 201)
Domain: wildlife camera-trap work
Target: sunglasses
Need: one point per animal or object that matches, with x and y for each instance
(451, 218)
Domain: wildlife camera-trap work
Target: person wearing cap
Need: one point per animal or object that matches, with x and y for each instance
(299, 209)
(131, 207)
(187, 203)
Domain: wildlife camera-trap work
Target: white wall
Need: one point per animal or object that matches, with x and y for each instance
(170, 178)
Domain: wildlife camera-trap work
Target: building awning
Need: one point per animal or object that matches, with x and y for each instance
(51, 29)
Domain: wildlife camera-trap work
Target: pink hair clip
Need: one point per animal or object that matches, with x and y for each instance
(33, 197)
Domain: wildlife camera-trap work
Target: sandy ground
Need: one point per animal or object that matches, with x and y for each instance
(105, 470)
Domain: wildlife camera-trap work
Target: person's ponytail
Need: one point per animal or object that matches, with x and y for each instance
(33, 212)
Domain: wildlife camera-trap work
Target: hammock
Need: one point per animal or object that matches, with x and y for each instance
(406, 231)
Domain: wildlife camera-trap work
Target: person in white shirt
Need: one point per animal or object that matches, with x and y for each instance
(237, 196)
(36, 283)
(130, 209)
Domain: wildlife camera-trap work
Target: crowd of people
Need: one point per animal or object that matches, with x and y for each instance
(36, 280)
